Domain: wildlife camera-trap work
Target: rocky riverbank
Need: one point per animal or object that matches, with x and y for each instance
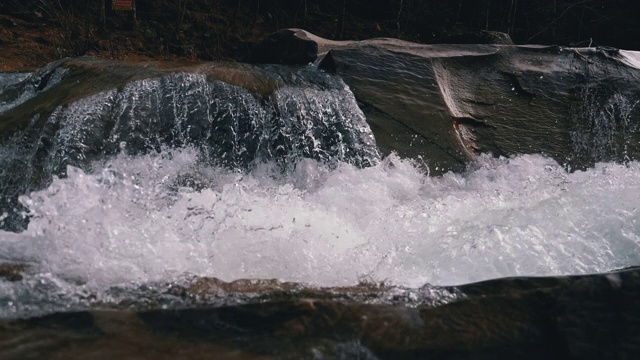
(584, 317)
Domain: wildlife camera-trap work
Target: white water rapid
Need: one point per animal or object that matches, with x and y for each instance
(156, 217)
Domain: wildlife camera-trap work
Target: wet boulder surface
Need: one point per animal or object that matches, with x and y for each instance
(575, 317)
(447, 103)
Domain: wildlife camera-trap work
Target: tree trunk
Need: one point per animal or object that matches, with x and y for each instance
(458, 12)
(102, 15)
(553, 29)
(255, 16)
(486, 26)
(513, 8)
(340, 27)
(304, 16)
(235, 15)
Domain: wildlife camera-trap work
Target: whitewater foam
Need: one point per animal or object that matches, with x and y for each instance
(157, 217)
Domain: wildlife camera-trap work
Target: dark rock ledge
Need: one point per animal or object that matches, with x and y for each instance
(576, 317)
(446, 103)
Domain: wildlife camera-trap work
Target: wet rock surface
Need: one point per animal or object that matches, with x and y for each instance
(505, 101)
(581, 317)
(12, 271)
(447, 103)
(439, 104)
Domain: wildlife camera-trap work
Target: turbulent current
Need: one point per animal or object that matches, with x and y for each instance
(158, 217)
(102, 216)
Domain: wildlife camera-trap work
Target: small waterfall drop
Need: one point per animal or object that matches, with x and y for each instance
(605, 124)
(305, 113)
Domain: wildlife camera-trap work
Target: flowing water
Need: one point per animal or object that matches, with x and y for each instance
(143, 217)
(136, 220)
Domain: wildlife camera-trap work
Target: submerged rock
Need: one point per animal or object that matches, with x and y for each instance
(581, 317)
(12, 272)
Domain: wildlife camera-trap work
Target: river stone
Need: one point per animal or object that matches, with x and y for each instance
(445, 104)
(570, 317)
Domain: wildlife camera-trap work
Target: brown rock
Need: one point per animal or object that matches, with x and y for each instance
(581, 317)
(12, 272)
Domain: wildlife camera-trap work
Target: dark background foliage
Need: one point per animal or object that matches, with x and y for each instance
(225, 29)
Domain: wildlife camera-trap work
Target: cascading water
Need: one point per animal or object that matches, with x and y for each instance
(307, 114)
(604, 123)
(178, 175)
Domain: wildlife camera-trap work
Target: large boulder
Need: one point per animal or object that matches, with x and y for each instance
(582, 317)
(447, 103)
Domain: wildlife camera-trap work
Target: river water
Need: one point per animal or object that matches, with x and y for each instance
(146, 217)
(136, 220)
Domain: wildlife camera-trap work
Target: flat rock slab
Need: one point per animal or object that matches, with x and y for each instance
(446, 104)
(581, 317)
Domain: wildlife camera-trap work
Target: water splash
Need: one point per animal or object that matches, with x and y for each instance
(313, 115)
(604, 126)
(156, 217)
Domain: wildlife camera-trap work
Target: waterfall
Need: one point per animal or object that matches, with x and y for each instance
(604, 124)
(308, 114)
